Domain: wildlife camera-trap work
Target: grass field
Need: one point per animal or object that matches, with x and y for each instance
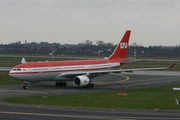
(12, 60)
(162, 97)
(5, 79)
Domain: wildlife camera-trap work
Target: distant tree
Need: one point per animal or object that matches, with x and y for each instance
(80, 44)
(88, 42)
(109, 45)
(100, 42)
(134, 44)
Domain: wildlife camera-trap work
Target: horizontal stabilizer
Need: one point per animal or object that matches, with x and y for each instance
(23, 60)
(171, 66)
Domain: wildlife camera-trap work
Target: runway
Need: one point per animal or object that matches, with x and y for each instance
(125, 81)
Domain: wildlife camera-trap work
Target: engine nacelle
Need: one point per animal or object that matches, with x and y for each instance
(81, 81)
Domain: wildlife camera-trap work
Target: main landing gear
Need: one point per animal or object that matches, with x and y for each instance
(90, 85)
(61, 84)
(25, 86)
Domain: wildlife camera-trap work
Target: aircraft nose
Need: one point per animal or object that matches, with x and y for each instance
(10, 74)
(16, 75)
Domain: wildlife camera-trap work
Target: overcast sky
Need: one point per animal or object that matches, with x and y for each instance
(152, 22)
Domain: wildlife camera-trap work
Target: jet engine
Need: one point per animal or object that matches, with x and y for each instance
(81, 81)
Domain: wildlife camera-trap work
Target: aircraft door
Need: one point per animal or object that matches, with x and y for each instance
(50, 68)
(28, 68)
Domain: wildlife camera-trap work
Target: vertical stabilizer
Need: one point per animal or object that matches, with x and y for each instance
(121, 49)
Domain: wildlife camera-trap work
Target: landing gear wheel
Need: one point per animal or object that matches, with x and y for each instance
(25, 87)
(60, 84)
(91, 85)
(24, 83)
(57, 84)
(64, 84)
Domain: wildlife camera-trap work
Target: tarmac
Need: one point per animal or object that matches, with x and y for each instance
(109, 82)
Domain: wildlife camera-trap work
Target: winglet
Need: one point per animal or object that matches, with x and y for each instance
(171, 66)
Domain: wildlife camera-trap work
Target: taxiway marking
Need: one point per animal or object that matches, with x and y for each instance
(119, 81)
(85, 116)
(152, 79)
(22, 91)
(68, 115)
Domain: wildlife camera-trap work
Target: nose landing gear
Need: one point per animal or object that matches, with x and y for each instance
(24, 84)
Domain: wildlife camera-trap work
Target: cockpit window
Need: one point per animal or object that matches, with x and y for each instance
(16, 69)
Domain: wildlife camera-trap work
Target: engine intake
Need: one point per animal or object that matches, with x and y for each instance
(81, 81)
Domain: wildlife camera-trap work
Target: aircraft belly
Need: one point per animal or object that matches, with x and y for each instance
(62, 79)
(35, 77)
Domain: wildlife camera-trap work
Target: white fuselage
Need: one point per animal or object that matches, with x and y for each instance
(54, 73)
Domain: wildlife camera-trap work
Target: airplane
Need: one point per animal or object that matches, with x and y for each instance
(80, 72)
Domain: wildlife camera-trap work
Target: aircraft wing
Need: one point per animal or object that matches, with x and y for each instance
(5, 68)
(144, 69)
(101, 72)
(137, 60)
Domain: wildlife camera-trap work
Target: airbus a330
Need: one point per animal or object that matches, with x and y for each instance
(80, 72)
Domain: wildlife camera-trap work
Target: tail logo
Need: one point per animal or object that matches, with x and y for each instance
(123, 45)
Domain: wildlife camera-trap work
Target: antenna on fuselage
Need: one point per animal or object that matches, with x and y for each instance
(23, 60)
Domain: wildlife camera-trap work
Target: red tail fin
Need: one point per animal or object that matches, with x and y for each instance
(121, 49)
